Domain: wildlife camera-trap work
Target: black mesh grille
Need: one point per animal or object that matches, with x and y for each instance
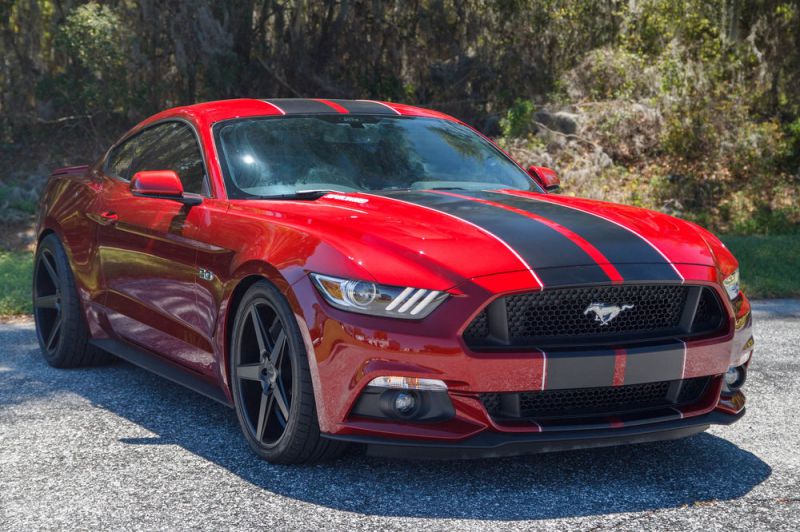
(598, 314)
(708, 315)
(692, 389)
(564, 312)
(590, 402)
(491, 401)
(580, 400)
(479, 328)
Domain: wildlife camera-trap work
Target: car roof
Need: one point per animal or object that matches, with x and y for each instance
(207, 113)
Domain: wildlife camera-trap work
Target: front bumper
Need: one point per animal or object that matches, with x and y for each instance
(494, 444)
(349, 350)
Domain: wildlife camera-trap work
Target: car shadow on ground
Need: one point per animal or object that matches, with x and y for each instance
(568, 484)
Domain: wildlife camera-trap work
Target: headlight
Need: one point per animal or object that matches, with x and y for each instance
(367, 297)
(732, 284)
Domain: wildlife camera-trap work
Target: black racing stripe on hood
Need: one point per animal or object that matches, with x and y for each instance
(555, 259)
(624, 249)
(293, 106)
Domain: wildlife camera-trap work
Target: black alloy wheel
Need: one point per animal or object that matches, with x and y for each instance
(47, 301)
(60, 321)
(271, 381)
(264, 373)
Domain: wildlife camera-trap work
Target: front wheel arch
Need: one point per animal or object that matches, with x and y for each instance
(300, 439)
(260, 272)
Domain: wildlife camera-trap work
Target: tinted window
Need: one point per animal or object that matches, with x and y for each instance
(273, 156)
(119, 162)
(171, 146)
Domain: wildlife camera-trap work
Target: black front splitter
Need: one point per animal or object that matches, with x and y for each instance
(491, 444)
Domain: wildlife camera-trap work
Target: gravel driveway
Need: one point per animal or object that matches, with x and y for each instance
(118, 448)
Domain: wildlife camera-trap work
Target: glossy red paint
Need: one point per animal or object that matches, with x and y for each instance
(546, 177)
(157, 183)
(136, 261)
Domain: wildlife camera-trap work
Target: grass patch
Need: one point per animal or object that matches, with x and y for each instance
(769, 265)
(16, 270)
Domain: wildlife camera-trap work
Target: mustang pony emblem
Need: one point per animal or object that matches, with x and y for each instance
(605, 313)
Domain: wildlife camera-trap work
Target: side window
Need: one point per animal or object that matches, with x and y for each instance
(171, 146)
(119, 161)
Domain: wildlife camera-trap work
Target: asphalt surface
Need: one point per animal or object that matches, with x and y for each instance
(118, 448)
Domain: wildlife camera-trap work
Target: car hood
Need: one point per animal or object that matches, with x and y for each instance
(438, 239)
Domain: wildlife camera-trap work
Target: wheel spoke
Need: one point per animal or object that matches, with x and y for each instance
(280, 418)
(264, 409)
(50, 271)
(277, 349)
(53, 333)
(46, 301)
(261, 333)
(267, 413)
(280, 400)
(276, 327)
(250, 372)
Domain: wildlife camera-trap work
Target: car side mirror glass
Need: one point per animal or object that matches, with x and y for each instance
(161, 184)
(547, 178)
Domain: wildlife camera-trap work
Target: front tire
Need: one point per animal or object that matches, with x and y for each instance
(60, 323)
(271, 381)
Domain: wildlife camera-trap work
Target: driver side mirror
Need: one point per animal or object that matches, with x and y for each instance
(547, 178)
(162, 184)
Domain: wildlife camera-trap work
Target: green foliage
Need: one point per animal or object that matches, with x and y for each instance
(16, 203)
(16, 271)
(651, 25)
(688, 131)
(792, 132)
(690, 106)
(768, 264)
(518, 121)
(767, 221)
(95, 47)
(91, 36)
(610, 74)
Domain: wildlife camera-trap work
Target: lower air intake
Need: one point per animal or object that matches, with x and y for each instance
(594, 402)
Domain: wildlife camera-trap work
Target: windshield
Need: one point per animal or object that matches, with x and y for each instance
(264, 157)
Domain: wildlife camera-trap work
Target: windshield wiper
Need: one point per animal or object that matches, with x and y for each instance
(299, 195)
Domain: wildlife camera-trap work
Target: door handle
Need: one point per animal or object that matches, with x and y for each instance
(108, 217)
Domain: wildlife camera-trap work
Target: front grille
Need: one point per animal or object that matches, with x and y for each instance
(562, 312)
(583, 316)
(593, 402)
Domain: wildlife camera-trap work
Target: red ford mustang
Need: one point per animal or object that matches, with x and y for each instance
(357, 271)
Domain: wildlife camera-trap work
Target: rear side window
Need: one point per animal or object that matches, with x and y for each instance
(169, 146)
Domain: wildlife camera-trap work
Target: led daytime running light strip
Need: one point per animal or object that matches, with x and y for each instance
(409, 302)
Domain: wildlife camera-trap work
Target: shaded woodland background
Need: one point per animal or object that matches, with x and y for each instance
(687, 106)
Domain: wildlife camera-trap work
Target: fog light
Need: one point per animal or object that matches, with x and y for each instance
(408, 405)
(734, 378)
(405, 403)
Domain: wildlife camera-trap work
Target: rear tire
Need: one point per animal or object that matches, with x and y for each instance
(271, 381)
(60, 322)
